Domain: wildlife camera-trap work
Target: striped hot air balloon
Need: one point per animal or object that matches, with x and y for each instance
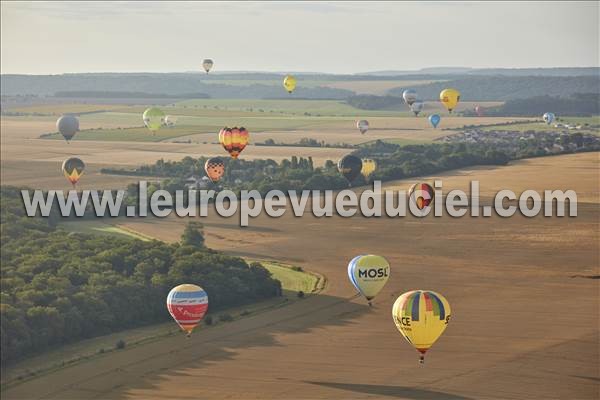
(187, 304)
(421, 316)
(362, 125)
(234, 140)
(422, 194)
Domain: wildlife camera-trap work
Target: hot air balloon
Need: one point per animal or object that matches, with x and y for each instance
(289, 83)
(350, 166)
(450, 98)
(421, 316)
(215, 168)
(207, 64)
(170, 120)
(416, 107)
(362, 125)
(434, 120)
(422, 193)
(234, 140)
(368, 167)
(68, 126)
(479, 110)
(187, 304)
(153, 118)
(73, 168)
(409, 96)
(369, 274)
(548, 117)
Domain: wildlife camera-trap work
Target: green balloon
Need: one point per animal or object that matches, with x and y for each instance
(154, 118)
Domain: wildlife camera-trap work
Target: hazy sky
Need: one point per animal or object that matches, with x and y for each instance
(340, 37)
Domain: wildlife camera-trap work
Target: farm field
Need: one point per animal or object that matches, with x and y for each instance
(28, 160)
(505, 279)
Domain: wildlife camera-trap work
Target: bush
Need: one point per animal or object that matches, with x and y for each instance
(298, 269)
(208, 320)
(225, 318)
(300, 294)
(245, 312)
(120, 344)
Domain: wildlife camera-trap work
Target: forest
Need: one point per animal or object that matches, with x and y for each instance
(59, 287)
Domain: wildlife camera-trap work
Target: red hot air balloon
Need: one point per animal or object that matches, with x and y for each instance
(187, 304)
(423, 194)
(234, 140)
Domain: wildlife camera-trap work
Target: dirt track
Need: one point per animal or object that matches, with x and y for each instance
(524, 324)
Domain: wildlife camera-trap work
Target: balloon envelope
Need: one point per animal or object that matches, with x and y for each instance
(350, 167)
(417, 106)
(450, 98)
(409, 96)
(187, 304)
(548, 117)
(479, 110)
(421, 316)
(422, 194)
(234, 140)
(73, 168)
(153, 118)
(362, 125)
(369, 274)
(289, 83)
(368, 167)
(434, 120)
(170, 120)
(207, 64)
(68, 126)
(214, 168)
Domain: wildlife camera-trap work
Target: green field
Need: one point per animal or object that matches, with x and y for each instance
(101, 228)
(284, 106)
(291, 280)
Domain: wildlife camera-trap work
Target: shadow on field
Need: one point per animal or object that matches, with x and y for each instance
(146, 367)
(403, 392)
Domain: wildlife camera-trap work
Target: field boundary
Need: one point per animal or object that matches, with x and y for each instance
(240, 313)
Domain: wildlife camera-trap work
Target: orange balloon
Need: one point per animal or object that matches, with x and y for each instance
(234, 140)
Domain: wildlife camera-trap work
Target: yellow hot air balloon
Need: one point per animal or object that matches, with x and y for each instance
(421, 316)
(289, 83)
(369, 274)
(450, 98)
(368, 167)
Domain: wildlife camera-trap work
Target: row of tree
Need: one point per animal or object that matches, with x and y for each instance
(578, 104)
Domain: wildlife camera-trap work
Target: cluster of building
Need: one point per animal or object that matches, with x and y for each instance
(549, 141)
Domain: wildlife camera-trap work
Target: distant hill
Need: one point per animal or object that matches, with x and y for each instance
(174, 84)
(502, 88)
(581, 105)
(477, 85)
(568, 71)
